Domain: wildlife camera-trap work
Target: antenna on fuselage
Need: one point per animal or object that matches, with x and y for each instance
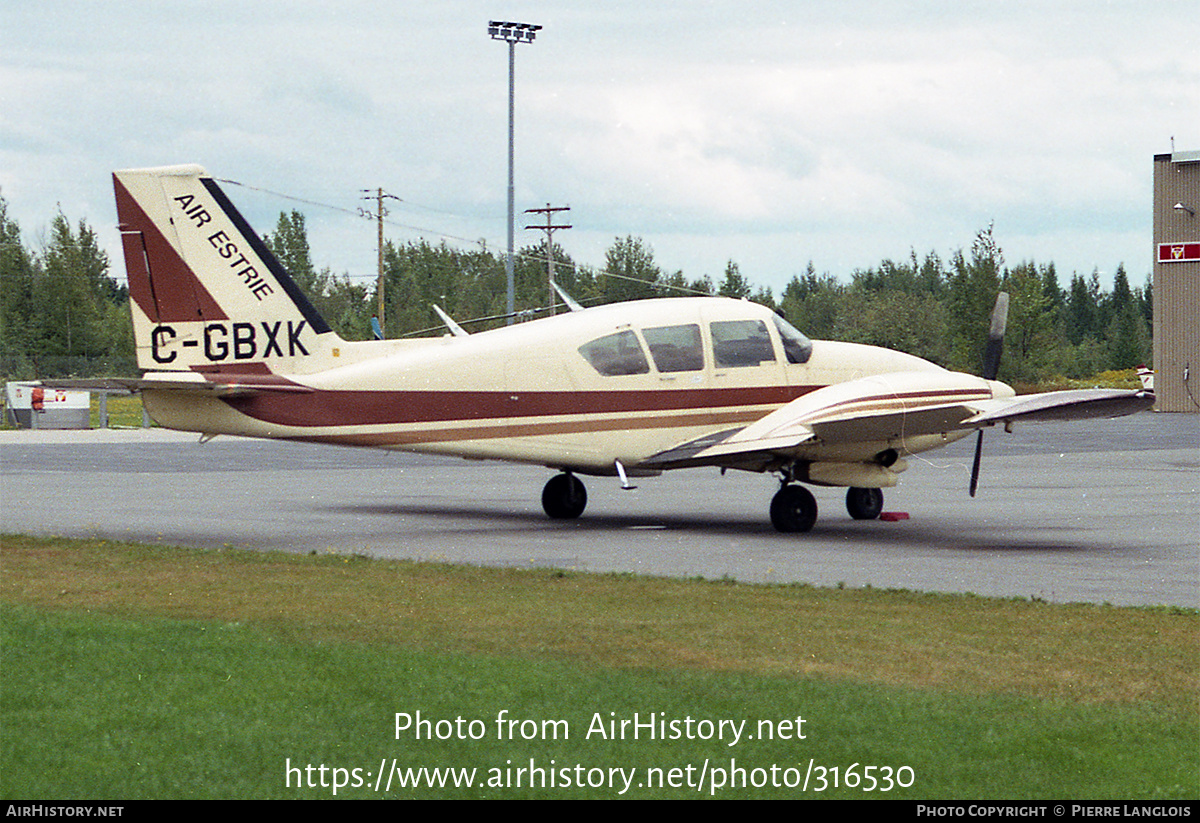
(455, 329)
(571, 302)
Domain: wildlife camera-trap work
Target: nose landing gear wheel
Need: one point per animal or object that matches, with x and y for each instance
(564, 497)
(793, 509)
(864, 504)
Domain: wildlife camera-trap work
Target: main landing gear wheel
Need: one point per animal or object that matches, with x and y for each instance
(793, 509)
(564, 497)
(864, 504)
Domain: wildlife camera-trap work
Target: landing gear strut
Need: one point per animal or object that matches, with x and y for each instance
(864, 504)
(793, 509)
(564, 497)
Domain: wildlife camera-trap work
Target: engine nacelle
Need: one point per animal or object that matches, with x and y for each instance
(858, 475)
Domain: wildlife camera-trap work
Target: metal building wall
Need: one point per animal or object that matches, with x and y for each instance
(1177, 284)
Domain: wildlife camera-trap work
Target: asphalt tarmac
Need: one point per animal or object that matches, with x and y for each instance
(1102, 511)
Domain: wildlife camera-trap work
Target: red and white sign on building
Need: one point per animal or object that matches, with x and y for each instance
(1178, 252)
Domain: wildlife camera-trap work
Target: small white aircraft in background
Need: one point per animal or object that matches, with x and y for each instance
(231, 346)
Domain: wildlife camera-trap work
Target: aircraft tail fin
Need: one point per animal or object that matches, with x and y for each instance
(205, 291)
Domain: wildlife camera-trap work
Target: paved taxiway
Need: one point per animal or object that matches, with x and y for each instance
(1096, 512)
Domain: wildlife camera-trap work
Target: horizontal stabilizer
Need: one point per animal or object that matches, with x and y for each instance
(190, 382)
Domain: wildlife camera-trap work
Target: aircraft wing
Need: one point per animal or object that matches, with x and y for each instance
(850, 423)
(223, 385)
(1079, 404)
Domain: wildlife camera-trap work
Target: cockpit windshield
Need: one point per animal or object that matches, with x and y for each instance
(796, 346)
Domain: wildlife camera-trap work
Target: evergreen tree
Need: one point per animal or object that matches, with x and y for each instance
(70, 290)
(811, 303)
(532, 276)
(676, 285)
(907, 321)
(764, 297)
(1030, 339)
(931, 276)
(1053, 293)
(1128, 337)
(702, 287)
(633, 274)
(289, 244)
(1081, 312)
(1145, 301)
(16, 299)
(734, 285)
(973, 288)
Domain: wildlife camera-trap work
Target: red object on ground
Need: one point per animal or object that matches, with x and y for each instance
(892, 517)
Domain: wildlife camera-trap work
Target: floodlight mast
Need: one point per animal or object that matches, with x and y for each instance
(511, 33)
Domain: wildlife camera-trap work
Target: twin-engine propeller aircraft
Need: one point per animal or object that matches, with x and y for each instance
(231, 346)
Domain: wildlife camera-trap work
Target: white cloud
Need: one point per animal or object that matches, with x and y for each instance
(769, 133)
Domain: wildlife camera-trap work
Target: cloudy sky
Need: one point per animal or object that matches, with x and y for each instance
(770, 133)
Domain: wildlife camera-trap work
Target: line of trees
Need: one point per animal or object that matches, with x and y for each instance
(941, 309)
(60, 311)
(62, 314)
(935, 308)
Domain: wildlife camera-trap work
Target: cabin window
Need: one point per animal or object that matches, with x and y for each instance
(616, 354)
(796, 347)
(675, 348)
(739, 343)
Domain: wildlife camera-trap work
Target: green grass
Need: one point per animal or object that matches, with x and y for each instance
(134, 671)
(124, 412)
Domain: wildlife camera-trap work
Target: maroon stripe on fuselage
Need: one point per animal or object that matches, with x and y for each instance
(375, 408)
(455, 434)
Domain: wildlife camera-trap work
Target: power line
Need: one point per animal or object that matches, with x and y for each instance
(549, 229)
(482, 243)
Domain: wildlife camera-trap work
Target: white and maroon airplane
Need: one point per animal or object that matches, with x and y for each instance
(231, 346)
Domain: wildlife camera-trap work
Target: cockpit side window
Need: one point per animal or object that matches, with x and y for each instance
(738, 343)
(796, 347)
(675, 348)
(616, 354)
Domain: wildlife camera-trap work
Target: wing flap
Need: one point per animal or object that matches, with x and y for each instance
(725, 448)
(892, 425)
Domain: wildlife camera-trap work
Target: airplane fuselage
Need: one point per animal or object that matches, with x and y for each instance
(577, 391)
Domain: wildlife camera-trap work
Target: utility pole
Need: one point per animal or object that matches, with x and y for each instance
(378, 216)
(549, 229)
(511, 33)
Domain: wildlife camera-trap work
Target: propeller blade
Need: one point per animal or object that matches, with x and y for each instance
(975, 465)
(995, 342)
(991, 367)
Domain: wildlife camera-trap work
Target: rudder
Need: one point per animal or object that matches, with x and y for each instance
(205, 292)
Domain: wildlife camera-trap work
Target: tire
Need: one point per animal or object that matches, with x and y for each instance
(793, 509)
(564, 497)
(864, 504)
